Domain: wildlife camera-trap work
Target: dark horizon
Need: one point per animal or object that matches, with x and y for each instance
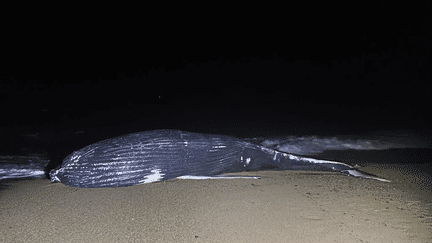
(335, 72)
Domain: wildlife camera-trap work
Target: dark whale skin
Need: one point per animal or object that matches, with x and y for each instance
(160, 155)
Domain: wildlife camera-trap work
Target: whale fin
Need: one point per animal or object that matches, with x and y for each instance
(189, 177)
(361, 174)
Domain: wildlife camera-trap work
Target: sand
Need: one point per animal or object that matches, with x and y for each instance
(282, 206)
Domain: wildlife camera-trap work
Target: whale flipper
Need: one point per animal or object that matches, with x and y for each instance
(361, 174)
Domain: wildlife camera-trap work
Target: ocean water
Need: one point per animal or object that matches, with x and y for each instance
(396, 148)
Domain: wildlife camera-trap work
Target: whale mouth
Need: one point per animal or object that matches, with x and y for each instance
(53, 175)
(361, 174)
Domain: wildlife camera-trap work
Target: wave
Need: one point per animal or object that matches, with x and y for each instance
(13, 167)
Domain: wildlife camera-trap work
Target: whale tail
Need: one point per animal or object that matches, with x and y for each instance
(287, 161)
(362, 174)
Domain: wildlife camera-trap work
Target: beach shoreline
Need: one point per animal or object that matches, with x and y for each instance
(294, 206)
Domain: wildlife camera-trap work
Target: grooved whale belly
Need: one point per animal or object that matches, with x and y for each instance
(158, 155)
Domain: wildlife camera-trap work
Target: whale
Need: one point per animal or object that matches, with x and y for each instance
(160, 155)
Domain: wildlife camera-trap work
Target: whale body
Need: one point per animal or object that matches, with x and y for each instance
(160, 155)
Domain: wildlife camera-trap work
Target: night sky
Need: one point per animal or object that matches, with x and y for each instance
(308, 68)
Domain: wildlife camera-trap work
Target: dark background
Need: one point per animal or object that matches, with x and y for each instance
(76, 74)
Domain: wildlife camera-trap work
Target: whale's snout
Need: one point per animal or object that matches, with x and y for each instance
(53, 175)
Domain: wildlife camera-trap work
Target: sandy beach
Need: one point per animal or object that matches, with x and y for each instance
(282, 206)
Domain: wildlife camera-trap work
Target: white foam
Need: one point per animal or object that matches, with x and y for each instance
(20, 173)
(310, 145)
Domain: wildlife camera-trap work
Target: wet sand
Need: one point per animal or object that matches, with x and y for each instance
(282, 206)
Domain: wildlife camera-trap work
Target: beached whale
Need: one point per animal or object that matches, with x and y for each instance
(160, 155)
